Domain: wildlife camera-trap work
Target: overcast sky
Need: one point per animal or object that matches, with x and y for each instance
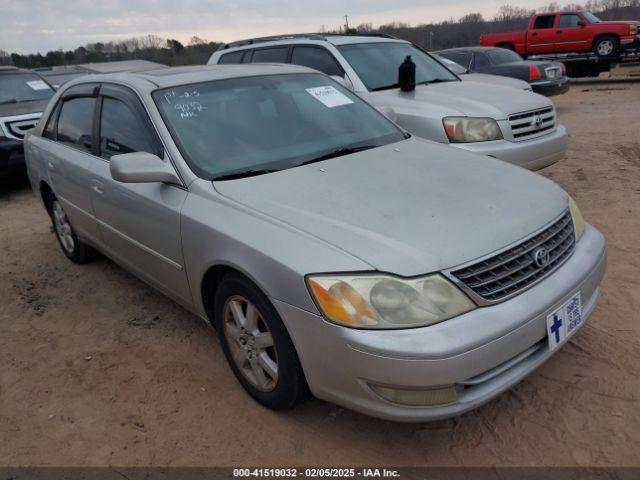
(41, 25)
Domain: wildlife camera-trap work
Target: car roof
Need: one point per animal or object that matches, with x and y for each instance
(312, 38)
(175, 76)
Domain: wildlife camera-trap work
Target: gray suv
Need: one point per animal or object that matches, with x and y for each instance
(23, 97)
(498, 121)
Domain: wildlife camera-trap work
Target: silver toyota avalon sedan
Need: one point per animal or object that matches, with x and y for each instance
(331, 250)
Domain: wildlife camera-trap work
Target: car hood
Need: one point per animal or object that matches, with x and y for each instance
(22, 108)
(407, 208)
(466, 98)
(496, 80)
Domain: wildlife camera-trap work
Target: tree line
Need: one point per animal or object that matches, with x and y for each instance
(450, 33)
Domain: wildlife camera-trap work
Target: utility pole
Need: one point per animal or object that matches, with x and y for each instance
(346, 24)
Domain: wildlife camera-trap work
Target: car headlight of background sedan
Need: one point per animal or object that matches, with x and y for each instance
(470, 130)
(378, 301)
(578, 220)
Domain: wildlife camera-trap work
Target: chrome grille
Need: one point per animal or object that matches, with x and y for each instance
(515, 270)
(17, 127)
(532, 124)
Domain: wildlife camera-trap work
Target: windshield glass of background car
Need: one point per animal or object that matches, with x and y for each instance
(377, 63)
(268, 122)
(453, 66)
(591, 17)
(23, 87)
(499, 56)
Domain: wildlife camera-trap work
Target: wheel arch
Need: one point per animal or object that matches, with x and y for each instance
(602, 35)
(45, 194)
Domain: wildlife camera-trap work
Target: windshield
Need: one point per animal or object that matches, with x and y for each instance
(23, 87)
(377, 64)
(256, 125)
(591, 17)
(451, 65)
(499, 56)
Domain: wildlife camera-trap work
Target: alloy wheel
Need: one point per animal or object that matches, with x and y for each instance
(63, 228)
(250, 343)
(606, 47)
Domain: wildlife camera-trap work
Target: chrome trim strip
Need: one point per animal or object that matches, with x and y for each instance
(141, 246)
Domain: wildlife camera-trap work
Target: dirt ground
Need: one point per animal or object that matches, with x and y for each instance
(96, 368)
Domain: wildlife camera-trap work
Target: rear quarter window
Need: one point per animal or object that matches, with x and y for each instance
(231, 58)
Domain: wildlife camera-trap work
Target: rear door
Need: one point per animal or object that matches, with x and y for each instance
(542, 36)
(572, 37)
(139, 222)
(70, 157)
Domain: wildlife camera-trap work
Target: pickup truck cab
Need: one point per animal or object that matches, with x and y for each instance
(569, 31)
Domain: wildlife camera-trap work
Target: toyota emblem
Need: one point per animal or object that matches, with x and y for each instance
(541, 257)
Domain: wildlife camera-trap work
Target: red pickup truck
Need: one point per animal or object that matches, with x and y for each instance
(569, 32)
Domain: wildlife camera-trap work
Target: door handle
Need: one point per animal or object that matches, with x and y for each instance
(97, 186)
(558, 31)
(534, 34)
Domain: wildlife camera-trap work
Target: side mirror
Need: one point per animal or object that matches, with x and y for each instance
(581, 23)
(142, 167)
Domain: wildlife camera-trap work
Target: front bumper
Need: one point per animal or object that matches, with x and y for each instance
(488, 350)
(631, 43)
(549, 88)
(533, 154)
(11, 157)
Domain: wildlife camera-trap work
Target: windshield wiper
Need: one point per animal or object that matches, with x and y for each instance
(436, 80)
(243, 174)
(338, 153)
(386, 87)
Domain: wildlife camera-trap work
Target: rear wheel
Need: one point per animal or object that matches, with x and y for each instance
(75, 250)
(257, 345)
(606, 46)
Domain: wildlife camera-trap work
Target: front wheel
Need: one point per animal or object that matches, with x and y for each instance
(606, 47)
(257, 345)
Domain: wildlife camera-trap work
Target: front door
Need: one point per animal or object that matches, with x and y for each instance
(572, 34)
(139, 222)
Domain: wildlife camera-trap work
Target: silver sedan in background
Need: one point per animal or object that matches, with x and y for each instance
(330, 249)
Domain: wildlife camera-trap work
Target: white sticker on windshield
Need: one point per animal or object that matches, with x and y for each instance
(329, 96)
(38, 85)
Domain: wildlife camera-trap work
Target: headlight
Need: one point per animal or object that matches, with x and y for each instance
(379, 301)
(469, 130)
(578, 220)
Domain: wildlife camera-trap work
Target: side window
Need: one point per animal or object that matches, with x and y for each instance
(544, 21)
(316, 58)
(228, 58)
(75, 124)
(270, 55)
(480, 60)
(569, 20)
(121, 131)
(49, 130)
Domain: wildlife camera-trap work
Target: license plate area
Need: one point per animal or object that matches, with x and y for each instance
(564, 321)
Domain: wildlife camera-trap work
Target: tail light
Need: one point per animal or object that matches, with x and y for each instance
(564, 69)
(633, 30)
(534, 73)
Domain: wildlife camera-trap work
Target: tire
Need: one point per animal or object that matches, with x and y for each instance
(605, 47)
(248, 348)
(75, 249)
